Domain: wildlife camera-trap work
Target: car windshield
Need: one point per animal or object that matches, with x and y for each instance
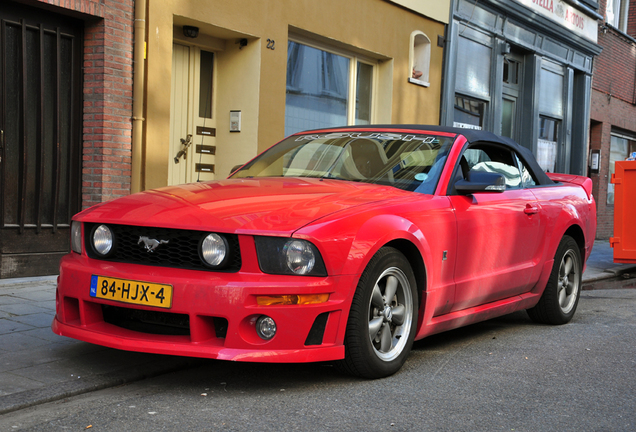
(411, 162)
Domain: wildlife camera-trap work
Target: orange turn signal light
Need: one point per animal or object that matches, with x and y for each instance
(292, 299)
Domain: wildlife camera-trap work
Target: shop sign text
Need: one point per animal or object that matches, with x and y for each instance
(566, 15)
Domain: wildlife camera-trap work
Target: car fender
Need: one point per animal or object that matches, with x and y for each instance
(571, 212)
(377, 232)
(355, 239)
(569, 221)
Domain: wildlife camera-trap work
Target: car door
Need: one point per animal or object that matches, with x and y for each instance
(497, 232)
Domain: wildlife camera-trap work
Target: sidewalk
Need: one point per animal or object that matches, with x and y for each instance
(603, 273)
(38, 366)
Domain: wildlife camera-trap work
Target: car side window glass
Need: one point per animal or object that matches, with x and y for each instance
(526, 176)
(494, 159)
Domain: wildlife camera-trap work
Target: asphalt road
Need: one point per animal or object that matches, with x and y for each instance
(505, 374)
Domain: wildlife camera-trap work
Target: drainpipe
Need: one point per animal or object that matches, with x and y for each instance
(139, 61)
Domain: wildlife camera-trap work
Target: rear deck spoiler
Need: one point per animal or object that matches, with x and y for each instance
(584, 182)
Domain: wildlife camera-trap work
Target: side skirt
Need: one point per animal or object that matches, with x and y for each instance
(433, 325)
(476, 314)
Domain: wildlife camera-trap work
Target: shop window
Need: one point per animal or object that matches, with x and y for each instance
(420, 56)
(469, 113)
(319, 93)
(551, 103)
(621, 147)
(616, 13)
(551, 92)
(548, 143)
(473, 72)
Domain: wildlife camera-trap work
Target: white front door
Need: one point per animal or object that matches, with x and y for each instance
(192, 122)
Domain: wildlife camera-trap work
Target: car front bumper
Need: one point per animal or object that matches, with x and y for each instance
(220, 311)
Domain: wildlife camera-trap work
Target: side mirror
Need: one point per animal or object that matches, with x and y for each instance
(481, 182)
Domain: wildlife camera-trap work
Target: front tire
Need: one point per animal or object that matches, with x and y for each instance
(383, 317)
(561, 295)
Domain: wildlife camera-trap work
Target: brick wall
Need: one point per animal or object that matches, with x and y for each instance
(617, 50)
(607, 114)
(631, 22)
(107, 124)
(613, 107)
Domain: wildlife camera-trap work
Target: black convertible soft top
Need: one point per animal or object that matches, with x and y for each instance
(472, 136)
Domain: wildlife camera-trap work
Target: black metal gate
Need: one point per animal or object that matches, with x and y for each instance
(40, 137)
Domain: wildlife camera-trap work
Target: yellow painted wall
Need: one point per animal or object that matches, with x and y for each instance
(253, 79)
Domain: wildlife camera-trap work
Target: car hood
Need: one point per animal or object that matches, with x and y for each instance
(244, 206)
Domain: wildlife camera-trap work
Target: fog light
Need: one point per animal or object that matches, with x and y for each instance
(265, 327)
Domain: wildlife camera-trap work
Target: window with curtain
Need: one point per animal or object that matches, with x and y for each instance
(547, 145)
(319, 91)
(616, 12)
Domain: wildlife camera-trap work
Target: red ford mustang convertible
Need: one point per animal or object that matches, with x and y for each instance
(340, 244)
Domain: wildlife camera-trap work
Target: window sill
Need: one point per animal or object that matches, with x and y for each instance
(419, 83)
(620, 32)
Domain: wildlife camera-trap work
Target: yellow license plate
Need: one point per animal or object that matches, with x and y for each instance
(128, 291)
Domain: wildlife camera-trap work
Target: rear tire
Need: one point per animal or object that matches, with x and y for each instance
(383, 317)
(561, 295)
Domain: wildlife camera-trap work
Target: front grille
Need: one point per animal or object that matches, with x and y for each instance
(158, 323)
(151, 322)
(180, 251)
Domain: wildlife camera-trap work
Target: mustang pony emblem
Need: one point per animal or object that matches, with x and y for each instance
(151, 244)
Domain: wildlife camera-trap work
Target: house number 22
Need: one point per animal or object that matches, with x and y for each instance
(271, 44)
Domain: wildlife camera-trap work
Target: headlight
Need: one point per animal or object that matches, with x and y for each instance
(76, 237)
(214, 250)
(289, 256)
(300, 257)
(102, 240)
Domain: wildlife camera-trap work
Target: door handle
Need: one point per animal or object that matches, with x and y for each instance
(531, 209)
